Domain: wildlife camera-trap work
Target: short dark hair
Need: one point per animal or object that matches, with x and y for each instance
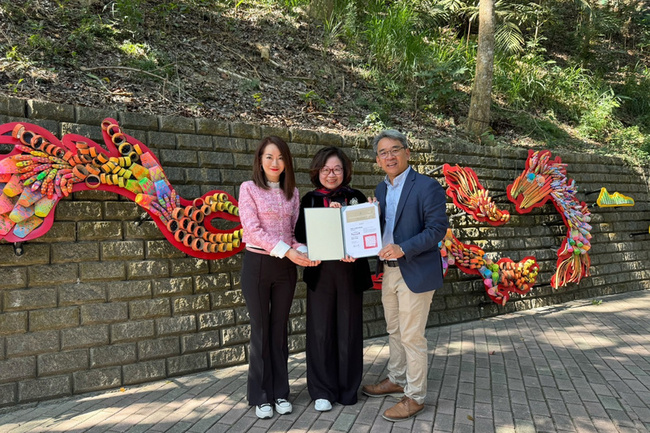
(320, 159)
(393, 134)
(287, 177)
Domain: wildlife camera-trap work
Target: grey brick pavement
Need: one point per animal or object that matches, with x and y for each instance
(576, 367)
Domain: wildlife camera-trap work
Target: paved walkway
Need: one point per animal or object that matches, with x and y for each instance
(577, 367)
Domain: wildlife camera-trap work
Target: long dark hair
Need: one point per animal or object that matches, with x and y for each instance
(320, 159)
(287, 178)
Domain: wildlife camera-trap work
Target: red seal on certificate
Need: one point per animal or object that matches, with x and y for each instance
(370, 241)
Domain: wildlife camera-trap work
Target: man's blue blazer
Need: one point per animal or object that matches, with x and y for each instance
(420, 223)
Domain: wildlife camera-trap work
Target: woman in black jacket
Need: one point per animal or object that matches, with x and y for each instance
(335, 295)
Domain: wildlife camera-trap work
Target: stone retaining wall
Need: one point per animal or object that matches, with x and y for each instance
(102, 301)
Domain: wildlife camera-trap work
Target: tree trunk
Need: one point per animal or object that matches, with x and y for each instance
(478, 119)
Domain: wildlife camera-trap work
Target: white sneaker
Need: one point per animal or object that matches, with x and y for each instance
(322, 405)
(282, 406)
(264, 411)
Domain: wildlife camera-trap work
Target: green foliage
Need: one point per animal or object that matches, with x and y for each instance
(394, 44)
(130, 11)
(598, 121)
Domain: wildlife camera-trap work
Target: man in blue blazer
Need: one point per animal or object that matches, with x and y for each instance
(414, 221)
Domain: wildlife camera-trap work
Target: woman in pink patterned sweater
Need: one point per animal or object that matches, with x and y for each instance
(268, 209)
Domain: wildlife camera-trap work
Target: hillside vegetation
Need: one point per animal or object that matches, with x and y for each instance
(568, 73)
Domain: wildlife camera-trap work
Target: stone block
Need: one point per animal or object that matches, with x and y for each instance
(176, 124)
(194, 142)
(283, 133)
(161, 140)
(93, 314)
(132, 331)
(128, 119)
(232, 263)
(188, 266)
(30, 299)
(172, 286)
(48, 275)
(32, 343)
(8, 394)
(243, 161)
(92, 132)
(85, 336)
(215, 159)
(235, 176)
(297, 343)
(122, 250)
(235, 334)
(66, 252)
(179, 158)
(96, 379)
(121, 211)
(149, 308)
(245, 130)
(144, 371)
(242, 315)
(175, 325)
(13, 278)
(147, 269)
(159, 348)
(298, 324)
(199, 342)
(234, 144)
(50, 110)
(82, 293)
(187, 364)
(68, 210)
(228, 298)
(61, 231)
(227, 356)
(216, 319)
(304, 136)
(43, 389)
(188, 304)
(12, 106)
(62, 362)
(212, 127)
(203, 175)
(115, 354)
(93, 116)
(14, 369)
(13, 323)
(211, 282)
(99, 230)
(161, 249)
(128, 290)
(144, 230)
(104, 271)
(53, 318)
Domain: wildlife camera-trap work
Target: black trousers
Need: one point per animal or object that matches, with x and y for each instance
(268, 284)
(335, 335)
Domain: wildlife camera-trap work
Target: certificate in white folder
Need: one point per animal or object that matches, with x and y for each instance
(353, 230)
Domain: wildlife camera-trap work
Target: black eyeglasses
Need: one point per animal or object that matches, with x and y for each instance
(392, 152)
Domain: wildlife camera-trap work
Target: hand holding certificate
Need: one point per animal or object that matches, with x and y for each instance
(353, 230)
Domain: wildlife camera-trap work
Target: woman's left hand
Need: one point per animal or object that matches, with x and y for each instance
(348, 259)
(335, 204)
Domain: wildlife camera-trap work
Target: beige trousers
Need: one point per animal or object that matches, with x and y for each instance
(406, 316)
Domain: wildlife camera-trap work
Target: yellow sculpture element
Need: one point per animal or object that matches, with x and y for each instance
(606, 199)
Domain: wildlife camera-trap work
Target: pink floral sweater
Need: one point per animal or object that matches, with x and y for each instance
(268, 219)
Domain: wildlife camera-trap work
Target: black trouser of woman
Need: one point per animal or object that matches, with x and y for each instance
(268, 284)
(335, 335)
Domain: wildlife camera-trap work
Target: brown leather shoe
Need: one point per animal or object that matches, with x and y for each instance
(383, 388)
(407, 408)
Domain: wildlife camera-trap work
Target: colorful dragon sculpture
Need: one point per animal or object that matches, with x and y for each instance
(544, 179)
(500, 278)
(41, 170)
